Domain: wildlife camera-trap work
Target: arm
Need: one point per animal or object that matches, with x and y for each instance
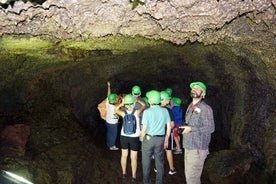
(143, 132)
(172, 124)
(118, 109)
(108, 88)
(142, 108)
(168, 132)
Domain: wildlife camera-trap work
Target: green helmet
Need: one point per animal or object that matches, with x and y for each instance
(169, 91)
(164, 95)
(154, 97)
(201, 85)
(129, 99)
(145, 99)
(177, 101)
(112, 97)
(136, 90)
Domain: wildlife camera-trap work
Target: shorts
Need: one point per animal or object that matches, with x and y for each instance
(131, 143)
(175, 134)
(170, 142)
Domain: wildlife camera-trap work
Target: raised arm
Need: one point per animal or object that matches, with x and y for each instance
(108, 88)
(118, 109)
(143, 106)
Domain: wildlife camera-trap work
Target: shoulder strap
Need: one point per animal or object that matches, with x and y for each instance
(133, 111)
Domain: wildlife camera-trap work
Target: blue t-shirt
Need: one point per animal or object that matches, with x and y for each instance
(155, 119)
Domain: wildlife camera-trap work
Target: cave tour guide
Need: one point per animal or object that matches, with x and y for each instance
(199, 125)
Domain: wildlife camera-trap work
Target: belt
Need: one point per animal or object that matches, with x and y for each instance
(155, 135)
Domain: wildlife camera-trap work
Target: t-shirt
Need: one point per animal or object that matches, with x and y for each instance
(111, 116)
(155, 119)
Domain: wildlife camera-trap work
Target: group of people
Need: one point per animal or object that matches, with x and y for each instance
(158, 124)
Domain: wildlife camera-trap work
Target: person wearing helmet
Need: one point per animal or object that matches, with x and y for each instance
(165, 100)
(136, 92)
(197, 132)
(178, 116)
(170, 104)
(111, 119)
(154, 136)
(130, 141)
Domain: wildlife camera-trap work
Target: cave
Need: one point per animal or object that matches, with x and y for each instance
(54, 72)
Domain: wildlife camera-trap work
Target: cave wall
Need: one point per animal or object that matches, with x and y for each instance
(45, 78)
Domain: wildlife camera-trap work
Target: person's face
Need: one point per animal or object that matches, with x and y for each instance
(196, 92)
(165, 102)
(129, 106)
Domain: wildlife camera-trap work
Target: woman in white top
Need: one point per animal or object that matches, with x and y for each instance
(111, 120)
(130, 140)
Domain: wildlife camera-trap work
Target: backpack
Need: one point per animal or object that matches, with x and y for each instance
(102, 109)
(129, 123)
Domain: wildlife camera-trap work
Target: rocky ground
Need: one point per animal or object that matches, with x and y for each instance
(114, 157)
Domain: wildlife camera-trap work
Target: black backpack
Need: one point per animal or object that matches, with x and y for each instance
(129, 123)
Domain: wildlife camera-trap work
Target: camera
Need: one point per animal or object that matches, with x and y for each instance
(180, 131)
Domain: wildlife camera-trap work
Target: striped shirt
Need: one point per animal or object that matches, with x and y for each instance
(200, 118)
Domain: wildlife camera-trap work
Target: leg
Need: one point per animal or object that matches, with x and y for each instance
(113, 134)
(169, 155)
(147, 152)
(108, 134)
(124, 160)
(194, 162)
(177, 142)
(159, 159)
(133, 157)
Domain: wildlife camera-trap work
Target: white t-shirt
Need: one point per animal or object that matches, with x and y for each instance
(138, 128)
(111, 116)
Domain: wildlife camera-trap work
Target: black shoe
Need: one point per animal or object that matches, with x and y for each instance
(134, 180)
(124, 176)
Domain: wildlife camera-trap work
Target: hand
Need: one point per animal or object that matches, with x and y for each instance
(108, 83)
(187, 129)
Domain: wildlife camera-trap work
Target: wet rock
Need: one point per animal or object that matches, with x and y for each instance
(228, 166)
(16, 135)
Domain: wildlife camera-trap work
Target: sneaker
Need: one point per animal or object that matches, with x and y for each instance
(113, 148)
(177, 152)
(155, 170)
(172, 172)
(124, 176)
(134, 180)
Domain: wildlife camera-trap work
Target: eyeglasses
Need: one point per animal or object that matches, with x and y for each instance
(128, 104)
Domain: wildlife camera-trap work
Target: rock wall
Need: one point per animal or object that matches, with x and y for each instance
(175, 20)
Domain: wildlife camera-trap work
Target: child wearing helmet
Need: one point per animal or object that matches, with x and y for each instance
(178, 116)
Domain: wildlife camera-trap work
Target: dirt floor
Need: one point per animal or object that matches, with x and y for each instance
(114, 157)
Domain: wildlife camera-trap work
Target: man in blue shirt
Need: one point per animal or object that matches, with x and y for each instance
(154, 136)
(197, 133)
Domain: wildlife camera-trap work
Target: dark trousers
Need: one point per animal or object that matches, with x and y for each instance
(153, 146)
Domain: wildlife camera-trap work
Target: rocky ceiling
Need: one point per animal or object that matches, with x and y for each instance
(250, 22)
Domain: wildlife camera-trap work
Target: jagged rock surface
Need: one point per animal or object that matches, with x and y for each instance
(176, 20)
